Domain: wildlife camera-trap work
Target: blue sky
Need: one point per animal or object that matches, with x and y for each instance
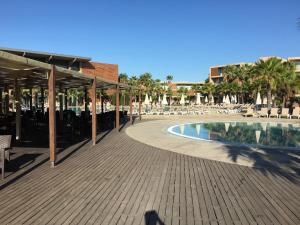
(183, 38)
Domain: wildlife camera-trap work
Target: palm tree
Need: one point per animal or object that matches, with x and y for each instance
(269, 71)
(288, 82)
(123, 78)
(208, 89)
(169, 78)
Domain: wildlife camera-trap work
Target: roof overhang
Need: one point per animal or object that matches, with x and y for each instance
(33, 73)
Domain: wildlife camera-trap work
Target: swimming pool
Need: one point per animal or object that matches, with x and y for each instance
(248, 133)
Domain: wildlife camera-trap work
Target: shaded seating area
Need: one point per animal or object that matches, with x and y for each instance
(53, 126)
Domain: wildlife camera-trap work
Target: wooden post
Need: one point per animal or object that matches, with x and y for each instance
(86, 100)
(61, 106)
(18, 110)
(6, 99)
(52, 116)
(130, 106)
(1, 100)
(102, 102)
(94, 115)
(140, 105)
(118, 108)
(43, 100)
(66, 99)
(30, 100)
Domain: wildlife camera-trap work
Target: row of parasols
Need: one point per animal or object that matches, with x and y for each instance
(226, 99)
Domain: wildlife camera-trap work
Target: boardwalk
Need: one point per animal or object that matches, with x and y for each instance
(121, 181)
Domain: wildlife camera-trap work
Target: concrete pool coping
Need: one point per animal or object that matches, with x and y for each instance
(153, 131)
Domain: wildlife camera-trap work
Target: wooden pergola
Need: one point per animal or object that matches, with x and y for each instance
(18, 72)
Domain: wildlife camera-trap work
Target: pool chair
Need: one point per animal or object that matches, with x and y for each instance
(249, 112)
(263, 112)
(285, 113)
(296, 113)
(274, 112)
(5, 141)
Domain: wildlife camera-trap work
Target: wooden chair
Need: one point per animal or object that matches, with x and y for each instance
(5, 142)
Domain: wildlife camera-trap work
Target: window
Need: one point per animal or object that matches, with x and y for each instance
(220, 71)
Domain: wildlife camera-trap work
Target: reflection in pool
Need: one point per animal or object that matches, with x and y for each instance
(250, 133)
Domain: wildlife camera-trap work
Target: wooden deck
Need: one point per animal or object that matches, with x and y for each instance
(121, 181)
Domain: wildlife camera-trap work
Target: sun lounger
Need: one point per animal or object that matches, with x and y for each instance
(274, 112)
(296, 112)
(285, 113)
(263, 112)
(5, 141)
(249, 112)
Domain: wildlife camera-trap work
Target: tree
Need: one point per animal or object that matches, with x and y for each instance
(269, 71)
(208, 89)
(288, 82)
(169, 78)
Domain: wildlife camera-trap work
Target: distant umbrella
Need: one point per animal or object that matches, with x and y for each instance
(227, 99)
(182, 101)
(224, 99)
(150, 99)
(164, 101)
(206, 100)
(258, 99)
(198, 101)
(146, 100)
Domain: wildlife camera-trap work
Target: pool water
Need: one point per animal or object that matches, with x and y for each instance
(249, 133)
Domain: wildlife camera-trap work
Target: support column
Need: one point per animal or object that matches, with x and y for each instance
(18, 110)
(102, 102)
(30, 100)
(43, 100)
(140, 105)
(66, 99)
(118, 108)
(52, 116)
(1, 101)
(61, 106)
(86, 103)
(130, 107)
(94, 115)
(6, 99)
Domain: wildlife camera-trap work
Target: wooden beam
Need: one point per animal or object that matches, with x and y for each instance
(86, 100)
(61, 106)
(118, 108)
(52, 116)
(66, 99)
(102, 101)
(1, 102)
(94, 115)
(43, 100)
(130, 107)
(140, 105)
(18, 110)
(6, 98)
(30, 100)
